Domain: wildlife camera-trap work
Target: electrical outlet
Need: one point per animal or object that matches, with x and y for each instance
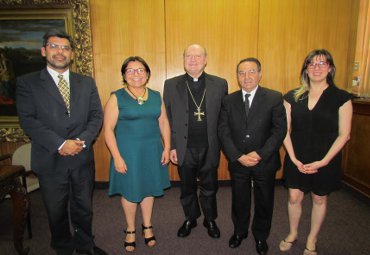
(356, 81)
(356, 66)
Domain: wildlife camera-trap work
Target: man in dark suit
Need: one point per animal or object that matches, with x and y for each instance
(252, 127)
(193, 103)
(61, 112)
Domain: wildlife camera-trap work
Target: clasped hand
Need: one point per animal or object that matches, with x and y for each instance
(71, 147)
(250, 159)
(310, 168)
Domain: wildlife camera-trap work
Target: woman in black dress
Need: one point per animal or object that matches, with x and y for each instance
(319, 123)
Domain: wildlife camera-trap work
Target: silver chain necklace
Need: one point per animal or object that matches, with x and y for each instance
(198, 113)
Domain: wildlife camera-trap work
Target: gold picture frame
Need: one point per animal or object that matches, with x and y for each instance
(75, 15)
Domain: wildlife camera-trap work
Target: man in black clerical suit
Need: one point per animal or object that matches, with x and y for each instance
(61, 112)
(193, 101)
(252, 127)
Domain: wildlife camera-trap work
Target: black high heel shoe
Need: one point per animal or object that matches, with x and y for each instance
(149, 239)
(130, 244)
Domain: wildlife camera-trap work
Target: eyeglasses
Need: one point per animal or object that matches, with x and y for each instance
(55, 46)
(321, 65)
(244, 73)
(131, 71)
(197, 57)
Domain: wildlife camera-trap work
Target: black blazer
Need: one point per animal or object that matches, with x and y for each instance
(175, 97)
(263, 132)
(43, 116)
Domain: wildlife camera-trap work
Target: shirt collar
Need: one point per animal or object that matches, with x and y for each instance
(252, 94)
(54, 74)
(201, 77)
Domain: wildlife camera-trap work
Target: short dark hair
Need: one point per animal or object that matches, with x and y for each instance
(133, 59)
(57, 33)
(255, 60)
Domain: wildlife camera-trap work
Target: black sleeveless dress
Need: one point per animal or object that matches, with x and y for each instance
(313, 132)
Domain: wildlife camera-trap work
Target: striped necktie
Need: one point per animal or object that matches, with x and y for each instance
(64, 90)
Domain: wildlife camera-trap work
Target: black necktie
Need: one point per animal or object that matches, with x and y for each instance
(246, 103)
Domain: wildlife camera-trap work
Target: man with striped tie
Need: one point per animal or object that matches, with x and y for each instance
(61, 112)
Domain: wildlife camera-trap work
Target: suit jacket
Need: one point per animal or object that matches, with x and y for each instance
(263, 131)
(44, 117)
(175, 96)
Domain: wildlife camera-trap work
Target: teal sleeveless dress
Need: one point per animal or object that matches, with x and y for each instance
(139, 142)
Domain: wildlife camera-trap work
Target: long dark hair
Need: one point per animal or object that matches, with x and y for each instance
(305, 80)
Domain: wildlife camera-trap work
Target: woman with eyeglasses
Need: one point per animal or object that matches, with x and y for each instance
(137, 133)
(319, 118)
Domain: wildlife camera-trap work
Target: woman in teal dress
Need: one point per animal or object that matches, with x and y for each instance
(137, 133)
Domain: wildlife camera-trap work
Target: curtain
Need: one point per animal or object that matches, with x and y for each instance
(362, 49)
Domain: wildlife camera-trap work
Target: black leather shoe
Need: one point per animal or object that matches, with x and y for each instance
(185, 229)
(213, 230)
(261, 247)
(94, 251)
(236, 240)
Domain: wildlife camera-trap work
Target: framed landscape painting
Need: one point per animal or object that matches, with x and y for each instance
(21, 30)
(20, 43)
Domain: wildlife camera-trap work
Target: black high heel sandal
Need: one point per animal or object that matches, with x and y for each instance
(130, 244)
(149, 239)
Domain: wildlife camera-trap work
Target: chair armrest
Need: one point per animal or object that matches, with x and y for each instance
(10, 171)
(5, 156)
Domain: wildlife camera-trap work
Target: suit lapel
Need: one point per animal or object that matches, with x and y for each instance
(210, 92)
(239, 107)
(256, 103)
(49, 85)
(75, 88)
(209, 95)
(182, 91)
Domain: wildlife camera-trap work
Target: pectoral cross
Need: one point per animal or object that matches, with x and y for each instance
(198, 113)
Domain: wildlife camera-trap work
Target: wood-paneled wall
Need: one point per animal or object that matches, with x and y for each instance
(123, 28)
(289, 30)
(279, 33)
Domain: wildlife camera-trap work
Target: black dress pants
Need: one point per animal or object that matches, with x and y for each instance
(197, 166)
(70, 189)
(263, 193)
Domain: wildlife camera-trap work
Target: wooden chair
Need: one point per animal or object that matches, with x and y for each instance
(10, 185)
(22, 157)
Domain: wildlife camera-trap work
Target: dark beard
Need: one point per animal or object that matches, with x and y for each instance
(58, 66)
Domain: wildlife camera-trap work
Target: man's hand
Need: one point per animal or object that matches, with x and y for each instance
(173, 156)
(250, 159)
(71, 147)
